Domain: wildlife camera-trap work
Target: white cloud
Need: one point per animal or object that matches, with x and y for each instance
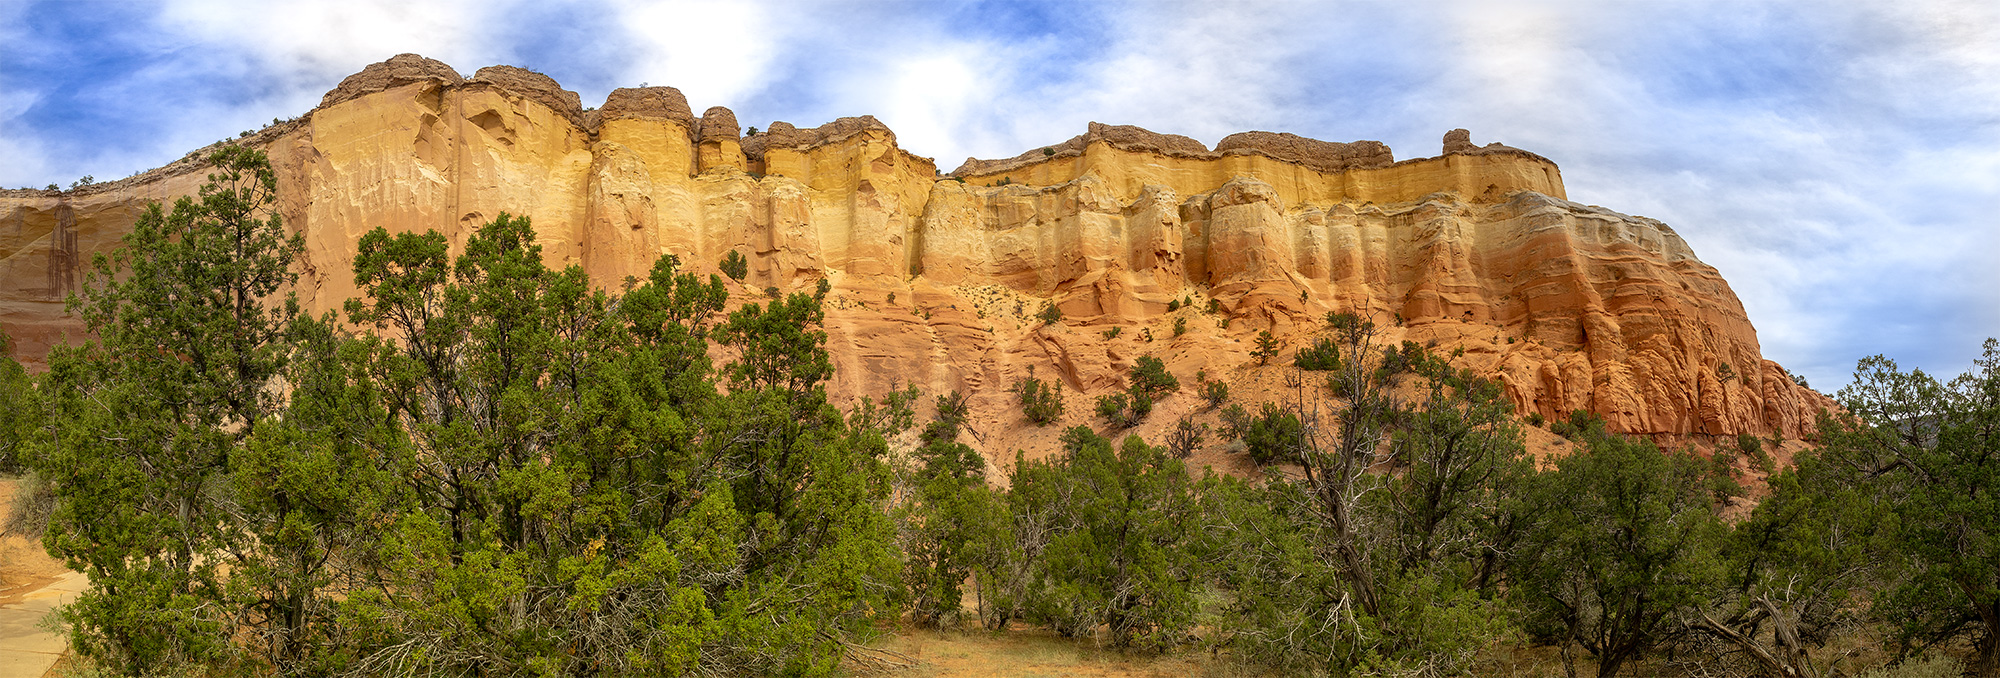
(716, 52)
(934, 102)
(314, 40)
(27, 162)
(1824, 192)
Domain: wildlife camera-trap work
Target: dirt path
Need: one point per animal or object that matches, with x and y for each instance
(31, 584)
(1026, 654)
(27, 651)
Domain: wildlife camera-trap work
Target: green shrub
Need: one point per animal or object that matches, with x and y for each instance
(1235, 421)
(1104, 543)
(1322, 356)
(1214, 392)
(1580, 423)
(1112, 409)
(735, 266)
(1050, 315)
(1041, 401)
(1276, 436)
(1150, 376)
(1752, 449)
(1267, 346)
(1186, 437)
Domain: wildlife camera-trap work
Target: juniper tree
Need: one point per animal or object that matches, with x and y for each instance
(1111, 545)
(1929, 452)
(17, 398)
(190, 335)
(953, 520)
(1623, 544)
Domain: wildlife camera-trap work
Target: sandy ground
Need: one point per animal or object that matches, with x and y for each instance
(1022, 654)
(24, 566)
(31, 584)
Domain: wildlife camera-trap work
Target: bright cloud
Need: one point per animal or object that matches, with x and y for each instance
(714, 51)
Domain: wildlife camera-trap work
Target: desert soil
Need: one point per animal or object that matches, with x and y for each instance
(31, 584)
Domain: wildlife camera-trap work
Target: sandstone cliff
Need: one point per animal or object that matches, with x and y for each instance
(936, 277)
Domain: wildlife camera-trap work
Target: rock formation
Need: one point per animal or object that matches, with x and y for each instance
(937, 278)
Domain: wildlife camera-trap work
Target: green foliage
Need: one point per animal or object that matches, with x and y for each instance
(534, 477)
(1106, 541)
(1180, 326)
(1925, 451)
(1267, 346)
(1050, 315)
(1621, 542)
(1235, 421)
(18, 399)
(1323, 355)
(955, 520)
(1041, 401)
(1462, 460)
(1753, 449)
(1150, 376)
(1410, 357)
(735, 265)
(1186, 437)
(895, 415)
(1173, 305)
(1212, 392)
(146, 419)
(1724, 480)
(1150, 381)
(779, 343)
(1800, 565)
(1047, 152)
(1115, 410)
(1113, 332)
(1579, 426)
(1275, 436)
(1347, 324)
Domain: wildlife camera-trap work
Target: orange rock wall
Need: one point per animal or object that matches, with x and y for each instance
(936, 279)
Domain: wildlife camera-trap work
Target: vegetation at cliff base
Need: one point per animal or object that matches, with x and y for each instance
(485, 466)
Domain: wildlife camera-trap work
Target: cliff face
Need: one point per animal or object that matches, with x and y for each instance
(936, 278)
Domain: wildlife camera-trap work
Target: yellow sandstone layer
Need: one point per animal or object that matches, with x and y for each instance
(936, 277)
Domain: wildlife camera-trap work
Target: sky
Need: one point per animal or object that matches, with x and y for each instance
(1838, 162)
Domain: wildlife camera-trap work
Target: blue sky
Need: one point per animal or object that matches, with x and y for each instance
(1839, 162)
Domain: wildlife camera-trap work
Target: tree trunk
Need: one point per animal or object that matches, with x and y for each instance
(1772, 665)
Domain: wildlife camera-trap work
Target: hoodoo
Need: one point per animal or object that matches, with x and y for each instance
(937, 279)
